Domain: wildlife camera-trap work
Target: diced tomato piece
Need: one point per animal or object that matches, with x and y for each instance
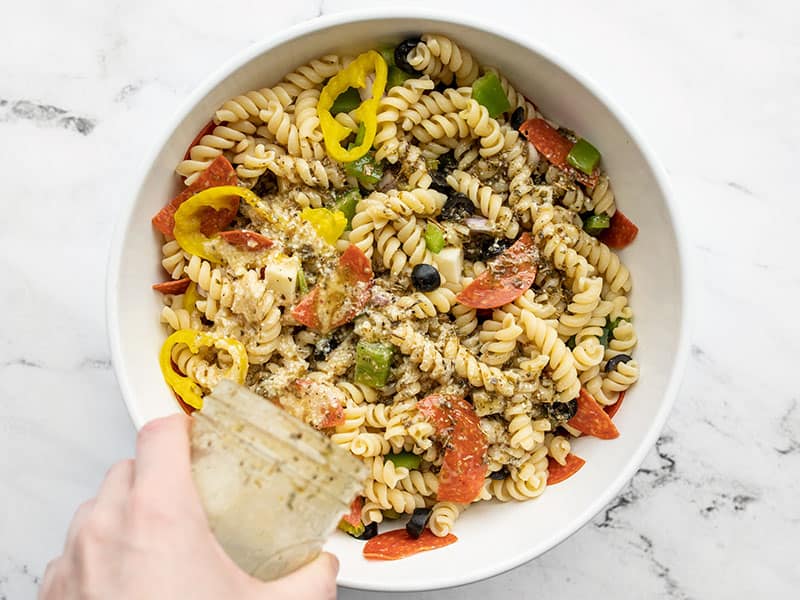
(207, 128)
(396, 544)
(246, 240)
(175, 286)
(612, 409)
(464, 463)
(219, 172)
(354, 516)
(305, 312)
(507, 277)
(318, 404)
(333, 417)
(347, 293)
(621, 233)
(591, 419)
(555, 147)
(354, 265)
(557, 473)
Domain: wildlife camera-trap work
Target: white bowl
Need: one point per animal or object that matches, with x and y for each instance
(493, 537)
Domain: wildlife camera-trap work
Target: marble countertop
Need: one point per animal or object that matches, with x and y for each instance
(712, 513)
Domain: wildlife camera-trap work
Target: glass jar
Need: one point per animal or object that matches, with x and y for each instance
(273, 487)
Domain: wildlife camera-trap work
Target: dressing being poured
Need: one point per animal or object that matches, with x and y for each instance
(273, 487)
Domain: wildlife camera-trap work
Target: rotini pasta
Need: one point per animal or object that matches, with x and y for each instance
(395, 103)
(373, 274)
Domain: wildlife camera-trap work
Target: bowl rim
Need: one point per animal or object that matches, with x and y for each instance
(123, 221)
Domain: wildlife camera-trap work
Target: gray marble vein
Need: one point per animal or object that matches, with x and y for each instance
(45, 115)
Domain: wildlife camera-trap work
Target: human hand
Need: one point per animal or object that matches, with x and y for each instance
(146, 535)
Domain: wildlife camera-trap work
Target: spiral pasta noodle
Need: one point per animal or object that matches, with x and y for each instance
(562, 363)
(428, 304)
(399, 98)
(499, 340)
(453, 57)
(434, 103)
(174, 261)
(486, 128)
(384, 471)
(392, 498)
(230, 137)
(369, 280)
(369, 444)
(348, 430)
(443, 517)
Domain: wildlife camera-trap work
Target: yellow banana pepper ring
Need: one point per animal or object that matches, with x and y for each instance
(355, 76)
(193, 217)
(190, 297)
(189, 391)
(329, 224)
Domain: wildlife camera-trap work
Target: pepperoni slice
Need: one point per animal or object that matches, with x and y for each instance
(612, 409)
(506, 279)
(175, 286)
(219, 172)
(547, 141)
(213, 221)
(354, 516)
(396, 544)
(346, 294)
(591, 419)
(555, 147)
(207, 128)
(464, 463)
(621, 233)
(246, 240)
(557, 473)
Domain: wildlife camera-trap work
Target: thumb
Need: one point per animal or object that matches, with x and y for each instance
(314, 581)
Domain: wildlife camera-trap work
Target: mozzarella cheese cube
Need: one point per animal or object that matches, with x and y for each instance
(450, 262)
(281, 278)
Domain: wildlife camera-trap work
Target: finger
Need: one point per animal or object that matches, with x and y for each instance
(52, 582)
(314, 581)
(81, 516)
(163, 466)
(116, 486)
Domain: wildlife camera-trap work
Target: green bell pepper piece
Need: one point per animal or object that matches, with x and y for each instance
(595, 224)
(373, 361)
(387, 52)
(404, 459)
(346, 101)
(434, 239)
(488, 92)
(366, 170)
(347, 203)
(349, 529)
(362, 131)
(302, 284)
(583, 156)
(396, 76)
(608, 330)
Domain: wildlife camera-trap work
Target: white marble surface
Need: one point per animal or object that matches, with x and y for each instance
(714, 511)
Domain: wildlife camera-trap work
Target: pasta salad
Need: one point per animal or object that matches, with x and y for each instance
(399, 249)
